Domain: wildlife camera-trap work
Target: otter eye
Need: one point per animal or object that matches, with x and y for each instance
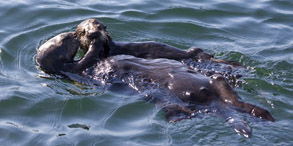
(83, 32)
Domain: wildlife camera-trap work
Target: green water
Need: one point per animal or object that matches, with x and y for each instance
(35, 110)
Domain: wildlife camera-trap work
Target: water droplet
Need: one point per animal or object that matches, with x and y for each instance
(187, 93)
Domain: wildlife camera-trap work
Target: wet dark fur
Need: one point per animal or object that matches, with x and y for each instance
(188, 88)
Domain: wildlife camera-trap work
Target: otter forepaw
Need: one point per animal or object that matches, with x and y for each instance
(178, 114)
(193, 51)
(95, 45)
(178, 117)
(198, 54)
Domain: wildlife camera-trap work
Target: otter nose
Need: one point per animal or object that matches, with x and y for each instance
(93, 34)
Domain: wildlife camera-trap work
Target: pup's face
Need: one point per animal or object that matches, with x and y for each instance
(89, 30)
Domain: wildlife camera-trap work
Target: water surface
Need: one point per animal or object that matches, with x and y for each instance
(37, 110)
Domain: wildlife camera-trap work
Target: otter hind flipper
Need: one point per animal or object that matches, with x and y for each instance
(240, 126)
(234, 120)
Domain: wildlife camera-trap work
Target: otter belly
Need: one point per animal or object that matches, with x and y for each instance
(180, 92)
(143, 74)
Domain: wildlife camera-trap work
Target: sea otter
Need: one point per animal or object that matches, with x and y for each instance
(68, 43)
(179, 90)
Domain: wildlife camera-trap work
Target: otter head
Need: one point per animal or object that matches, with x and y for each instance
(89, 30)
(56, 52)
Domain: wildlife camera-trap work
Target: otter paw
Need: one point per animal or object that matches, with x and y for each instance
(179, 117)
(194, 51)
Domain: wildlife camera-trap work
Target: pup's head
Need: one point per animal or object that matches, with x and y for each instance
(57, 51)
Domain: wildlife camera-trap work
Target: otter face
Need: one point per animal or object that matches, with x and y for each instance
(91, 29)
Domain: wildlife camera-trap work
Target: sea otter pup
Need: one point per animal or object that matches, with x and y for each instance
(168, 83)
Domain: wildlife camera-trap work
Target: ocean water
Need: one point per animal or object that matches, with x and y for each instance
(36, 109)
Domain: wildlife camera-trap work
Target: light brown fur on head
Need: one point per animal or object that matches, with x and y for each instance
(91, 29)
